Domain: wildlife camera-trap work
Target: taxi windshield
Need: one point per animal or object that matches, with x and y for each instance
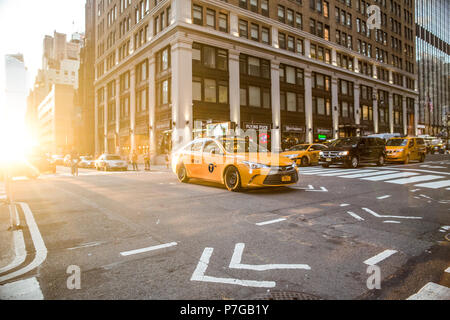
(241, 146)
(299, 147)
(397, 142)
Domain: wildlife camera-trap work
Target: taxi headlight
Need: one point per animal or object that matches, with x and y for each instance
(343, 153)
(321, 153)
(254, 165)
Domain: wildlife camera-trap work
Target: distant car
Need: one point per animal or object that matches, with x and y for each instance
(385, 136)
(109, 162)
(86, 162)
(405, 149)
(354, 150)
(304, 154)
(59, 159)
(42, 163)
(68, 160)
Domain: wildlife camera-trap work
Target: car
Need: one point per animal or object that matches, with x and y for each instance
(42, 163)
(108, 162)
(235, 162)
(68, 160)
(304, 154)
(385, 136)
(405, 149)
(353, 151)
(437, 146)
(86, 162)
(59, 159)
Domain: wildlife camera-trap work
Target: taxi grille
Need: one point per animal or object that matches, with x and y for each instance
(330, 154)
(277, 174)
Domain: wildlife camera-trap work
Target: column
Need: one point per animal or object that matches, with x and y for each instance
(152, 104)
(274, 37)
(182, 118)
(405, 124)
(307, 48)
(391, 113)
(117, 136)
(96, 137)
(375, 111)
(356, 64)
(375, 71)
(234, 87)
(333, 57)
(105, 121)
(234, 24)
(181, 11)
(132, 108)
(357, 110)
(335, 106)
(276, 113)
(308, 107)
(416, 115)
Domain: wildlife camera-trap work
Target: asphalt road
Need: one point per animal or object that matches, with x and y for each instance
(316, 239)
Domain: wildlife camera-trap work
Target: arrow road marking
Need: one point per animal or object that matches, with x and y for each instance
(383, 216)
(199, 274)
(237, 256)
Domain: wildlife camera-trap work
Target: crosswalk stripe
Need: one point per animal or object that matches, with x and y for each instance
(361, 175)
(434, 185)
(414, 179)
(325, 171)
(347, 172)
(391, 176)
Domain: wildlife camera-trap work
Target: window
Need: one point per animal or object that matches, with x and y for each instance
(253, 67)
(243, 97)
(243, 29)
(291, 101)
(282, 40)
(223, 22)
(211, 18)
(298, 20)
(265, 35)
(290, 17)
(254, 95)
(210, 90)
(198, 15)
(254, 33)
(223, 92)
(196, 89)
(281, 16)
(209, 57)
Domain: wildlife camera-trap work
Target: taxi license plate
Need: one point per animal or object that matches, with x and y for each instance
(328, 159)
(286, 178)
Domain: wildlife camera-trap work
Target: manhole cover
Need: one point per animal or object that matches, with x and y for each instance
(285, 295)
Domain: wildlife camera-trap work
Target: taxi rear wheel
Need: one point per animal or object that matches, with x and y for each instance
(232, 179)
(182, 174)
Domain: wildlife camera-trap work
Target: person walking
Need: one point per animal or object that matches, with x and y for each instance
(147, 161)
(74, 157)
(134, 158)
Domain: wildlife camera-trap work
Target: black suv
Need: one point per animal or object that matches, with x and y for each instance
(354, 150)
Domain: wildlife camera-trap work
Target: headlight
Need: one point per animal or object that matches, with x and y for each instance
(254, 165)
(291, 156)
(321, 153)
(343, 153)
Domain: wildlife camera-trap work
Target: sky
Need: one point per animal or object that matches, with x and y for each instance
(24, 23)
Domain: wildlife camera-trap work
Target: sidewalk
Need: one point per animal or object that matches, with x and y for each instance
(7, 250)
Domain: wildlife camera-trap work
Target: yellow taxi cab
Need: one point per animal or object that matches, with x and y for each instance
(404, 149)
(304, 154)
(235, 162)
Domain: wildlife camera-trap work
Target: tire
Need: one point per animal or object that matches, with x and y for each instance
(380, 161)
(182, 174)
(354, 162)
(232, 179)
(406, 160)
(422, 157)
(305, 162)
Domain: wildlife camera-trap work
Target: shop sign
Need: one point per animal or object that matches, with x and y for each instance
(323, 131)
(257, 126)
(294, 128)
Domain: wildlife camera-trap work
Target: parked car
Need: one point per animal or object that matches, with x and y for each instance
(59, 159)
(405, 149)
(109, 162)
(86, 162)
(304, 154)
(354, 150)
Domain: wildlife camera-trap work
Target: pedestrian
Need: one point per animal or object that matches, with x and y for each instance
(134, 158)
(74, 157)
(147, 161)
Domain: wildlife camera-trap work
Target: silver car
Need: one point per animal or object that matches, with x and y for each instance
(86, 162)
(109, 162)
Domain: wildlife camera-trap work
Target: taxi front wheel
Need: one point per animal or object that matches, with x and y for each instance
(182, 174)
(232, 179)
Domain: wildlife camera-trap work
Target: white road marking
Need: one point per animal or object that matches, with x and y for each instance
(391, 221)
(344, 204)
(432, 291)
(414, 190)
(322, 189)
(27, 289)
(424, 196)
(434, 185)
(343, 173)
(391, 176)
(161, 246)
(39, 245)
(354, 215)
(322, 171)
(415, 170)
(20, 252)
(383, 197)
(379, 257)
(235, 262)
(383, 216)
(271, 221)
(199, 274)
(414, 179)
(447, 270)
(86, 245)
(432, 167)
(361, 175)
